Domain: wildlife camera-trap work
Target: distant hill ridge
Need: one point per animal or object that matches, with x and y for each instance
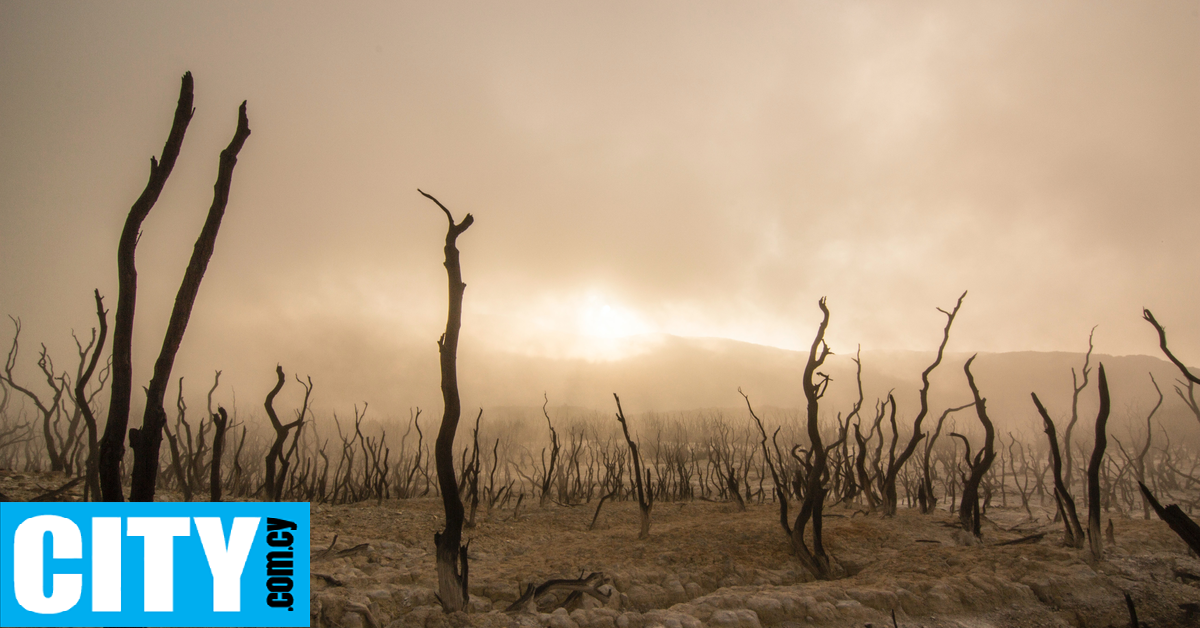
(674, 373)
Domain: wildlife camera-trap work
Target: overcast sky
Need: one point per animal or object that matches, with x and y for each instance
(690, 168)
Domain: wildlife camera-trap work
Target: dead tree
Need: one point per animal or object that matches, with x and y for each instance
(451, 556)
(1073, 533)
(781, 494)
(814, 384)
(92, 484)
(1189, 379)
(1093, 475)
(548, 469)
(1076, 387)
(645, 498)
(968, 511)
(220, 420)
(1140, 461)
(273, 483)
(58, 384)
(472, 469)
(925, 495)
(898, 462)
(145, 442)
(112, 444)
(181, 476)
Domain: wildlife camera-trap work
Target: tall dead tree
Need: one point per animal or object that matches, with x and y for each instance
(112, 444)
(1073, 533)
(1093, 479)
(548, 477)
(781, 493)
(92, 483)
(1076, 387)
(273, 482)
(1189, 379)
(451, 555)
(898, 462)
(925, 496)
(968, 511)
(220, 421)
(145, 442)
(645, 497)
(814, 384)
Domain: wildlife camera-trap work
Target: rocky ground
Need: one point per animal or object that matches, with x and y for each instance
(705, 564)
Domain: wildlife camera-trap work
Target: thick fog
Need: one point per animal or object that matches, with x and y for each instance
(699, 170)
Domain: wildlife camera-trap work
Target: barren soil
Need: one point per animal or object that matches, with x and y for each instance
(706, 564)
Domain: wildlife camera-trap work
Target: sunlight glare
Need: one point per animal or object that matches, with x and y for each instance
(599, 319)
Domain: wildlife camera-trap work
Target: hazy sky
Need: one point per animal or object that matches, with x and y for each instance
(692, 168)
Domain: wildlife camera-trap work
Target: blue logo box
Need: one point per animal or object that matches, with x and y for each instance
(154, 564)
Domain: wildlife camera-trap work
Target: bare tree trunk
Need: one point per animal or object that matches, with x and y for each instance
(895, 464)
(145, 442)
(645, 497)
(1076, 388)
(1095, 542)
(968, 512)
(1189, 380)
(1073, 534)
(554, 449)
(813, 504)
(93, 480)
(220, 421)
(451, 555)
(112, 444)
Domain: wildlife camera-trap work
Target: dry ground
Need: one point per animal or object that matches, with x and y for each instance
(706, 564)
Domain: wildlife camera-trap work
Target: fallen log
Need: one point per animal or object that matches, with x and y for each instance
(531, 595)
(52, 496)
(1032, 538)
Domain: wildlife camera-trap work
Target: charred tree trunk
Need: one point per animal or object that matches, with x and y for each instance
(220, 421)
(451, 555)
(145, 442)
(273, 482)
(548, 479)
(1179, 522)
(93, 480)
(929, 504)
(894, 465)
(811, 508)
(1189, 379)
(1095, 542)
(780, 487)
(1076, 388)
(112, 444)
(1073, 534)
(968, 511)
(645, 497)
